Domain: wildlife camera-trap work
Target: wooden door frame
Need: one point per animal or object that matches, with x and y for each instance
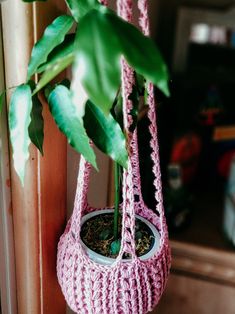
(7, 259)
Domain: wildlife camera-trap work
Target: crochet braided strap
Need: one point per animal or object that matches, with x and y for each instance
(131, 286)
(145, 26)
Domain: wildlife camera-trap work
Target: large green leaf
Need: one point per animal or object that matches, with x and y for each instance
(64, 49)
(19, 120)
(53, 71)
(98, 59)
(79, 94)
(106, 133)
(52, 37)
(141, 53)
(36, 132)
(68, 120)
(79, 8)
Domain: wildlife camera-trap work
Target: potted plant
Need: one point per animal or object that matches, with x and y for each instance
(90, 109)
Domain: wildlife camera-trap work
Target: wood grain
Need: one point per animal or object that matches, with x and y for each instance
(18, 39)
(203, 262)
(53, 187)
(39, 208)
(202, 281)
(185, 295)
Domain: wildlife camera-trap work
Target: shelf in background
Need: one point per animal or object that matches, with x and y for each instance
(203, 262)
(206, 228)
(201, 250)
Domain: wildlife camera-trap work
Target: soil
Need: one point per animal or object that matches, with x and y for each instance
(97, 234)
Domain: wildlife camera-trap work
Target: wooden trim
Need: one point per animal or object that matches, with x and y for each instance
(7, 259)
(39, 208)
(18, 39)
(203, 262)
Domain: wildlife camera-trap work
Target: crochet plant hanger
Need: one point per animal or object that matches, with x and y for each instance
(132, 286)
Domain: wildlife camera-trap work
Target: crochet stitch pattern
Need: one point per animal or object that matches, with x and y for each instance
(134, 286)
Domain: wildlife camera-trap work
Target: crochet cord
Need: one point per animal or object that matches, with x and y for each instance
(128, 211)
(145, 26)
(80, 202)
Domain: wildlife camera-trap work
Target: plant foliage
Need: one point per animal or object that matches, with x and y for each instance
(19, 121)
(88, 109)
(52, 37)
(106, 133)
(68, 120)
(36, 126)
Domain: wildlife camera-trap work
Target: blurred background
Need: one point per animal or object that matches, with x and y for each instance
(197, 148)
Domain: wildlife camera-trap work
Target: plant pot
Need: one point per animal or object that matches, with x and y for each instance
(103, 260)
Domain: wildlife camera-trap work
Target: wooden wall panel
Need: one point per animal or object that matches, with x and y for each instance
(39, 208)
(18, 38)
(7, 257)
(53, 213)
(53, 187)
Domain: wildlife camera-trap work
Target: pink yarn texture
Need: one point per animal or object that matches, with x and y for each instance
(134, 286)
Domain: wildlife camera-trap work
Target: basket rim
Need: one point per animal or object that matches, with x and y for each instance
(68, 242)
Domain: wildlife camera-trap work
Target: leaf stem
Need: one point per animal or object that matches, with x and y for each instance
(117, 199)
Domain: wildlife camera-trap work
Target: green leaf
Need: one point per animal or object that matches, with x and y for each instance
(19, 120)
(115, 247)
(117, 110)
(106, 133)
(98, 59)
(141, 53)
(36, 126)
(47, 90)
(79, 8)
(79, 94)
(64, 49)
(67, 118)
(112, 37)
(138, 235)
(52, 37)
(2, 98)
(140, 84)
(135, 98)
(53, 71)
(66, 82)
(105, 234)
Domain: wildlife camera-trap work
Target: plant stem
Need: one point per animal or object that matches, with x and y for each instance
(117, 199)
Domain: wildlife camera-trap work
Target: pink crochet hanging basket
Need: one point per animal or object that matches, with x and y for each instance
(132, 286)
